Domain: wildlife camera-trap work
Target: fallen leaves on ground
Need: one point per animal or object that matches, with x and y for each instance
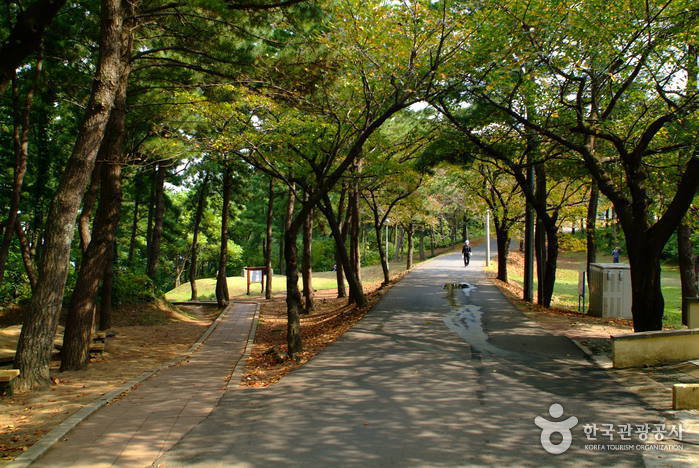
(330, 319)
(26, 417)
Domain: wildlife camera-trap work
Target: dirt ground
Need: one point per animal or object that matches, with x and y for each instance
(24, 418)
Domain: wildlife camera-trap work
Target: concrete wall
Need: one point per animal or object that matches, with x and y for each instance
(655, 347)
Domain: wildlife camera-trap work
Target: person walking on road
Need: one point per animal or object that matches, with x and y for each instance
(466, 252)
(616, 254)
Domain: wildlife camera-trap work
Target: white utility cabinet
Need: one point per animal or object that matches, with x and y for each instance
(610, 290)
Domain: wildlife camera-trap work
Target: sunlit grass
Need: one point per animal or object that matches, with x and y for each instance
(206, 287)
(565, 292)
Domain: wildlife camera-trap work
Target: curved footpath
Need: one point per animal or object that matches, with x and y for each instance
(134, 428)
(432, 376)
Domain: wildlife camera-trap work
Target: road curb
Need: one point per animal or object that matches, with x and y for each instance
(58, 432)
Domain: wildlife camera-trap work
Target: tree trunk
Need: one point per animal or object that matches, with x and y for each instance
(339, 267)
(288, 218)
(201, 201)
(222, 295)
(268, 245)
(105, 322)
(540, 257)
(158, 218)
(648, 304)
(282, 262)
(687, 260)
(21, 147)
(29, 266)
(503, 240)
(355, 259)
(431, 241)
(89, 201)
(382, 252)
(39, 328)
(355, 285)
(151, 214)
(422, 245)
(79, 322)
(409, 262)
(134, 220)
(306, 270)
(591, 226)
(293, 297)
(399, 243)
(549, 279)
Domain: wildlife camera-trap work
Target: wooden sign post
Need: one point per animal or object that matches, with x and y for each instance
(254, 275)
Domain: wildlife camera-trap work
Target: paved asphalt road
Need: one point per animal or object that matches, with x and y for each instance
(430, 377)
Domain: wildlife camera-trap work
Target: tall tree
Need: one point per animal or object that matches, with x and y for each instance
(196, 223)
(576, 69)
(39, 327)
(158, 219)
(222, 295)
(21, 144)
(269, 237)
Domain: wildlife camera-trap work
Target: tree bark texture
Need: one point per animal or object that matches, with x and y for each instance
(503, 240)
(201, 202)
(293, 296)
(399, 243)
(687, 260)
(269, 237)
(222, 295)
(591, 226)
(409, 256)
(421, 248)
(98, 255)
(29, 266)
(355, 285)
(339, 268)
(354, 255)
(307, 258)
(39, 327)
(134, 219)
(382, 251)
(158, 218)
(21, 149)
(89, 201)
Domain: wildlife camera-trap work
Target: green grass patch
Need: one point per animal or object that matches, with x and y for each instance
(206, 287)
(565, 291)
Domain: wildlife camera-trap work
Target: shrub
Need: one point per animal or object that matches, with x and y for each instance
(571, 243)
(132, 288)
